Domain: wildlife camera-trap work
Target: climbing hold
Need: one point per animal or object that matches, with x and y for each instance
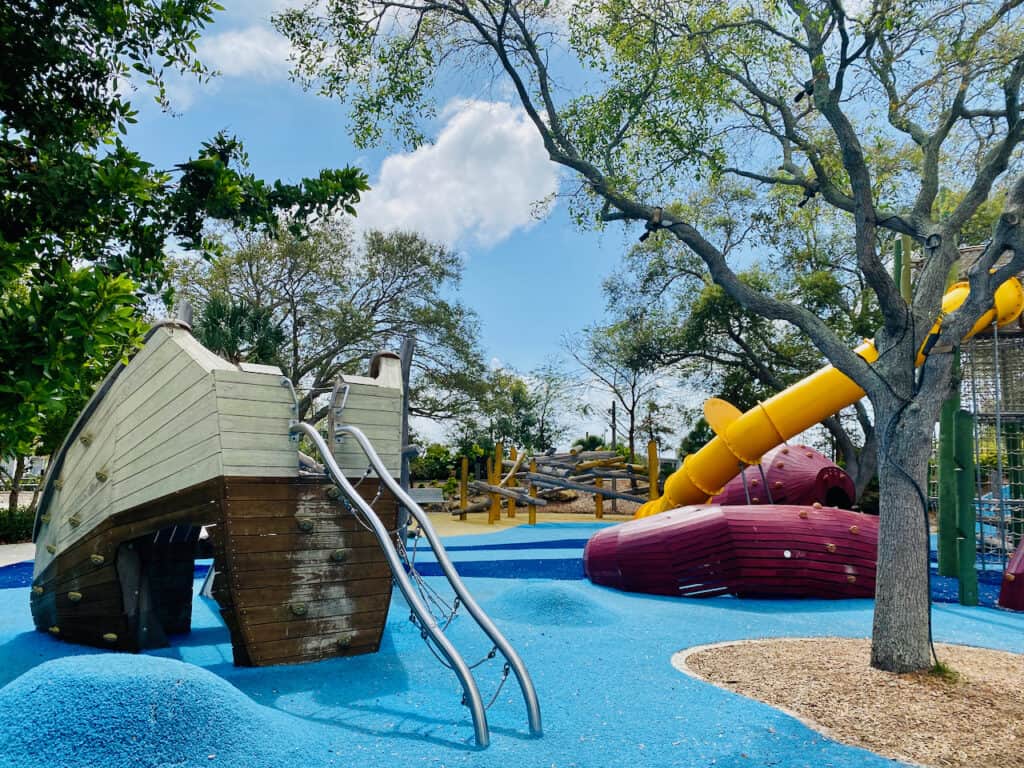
(58, 483)
(51, 549)
(756, 500)
(1009, 576)
(97, 559)
(339, 556)
(299, 609)
(75, 597)
(851, 578)
(777, 484)
(785, 451)
(54, 630)
(809, 455)
(854, 529)
(830, 547)
(334, 492)
(753, 483)
(816, 505)
(110, 637)
(37, 590)
(75, 520)
(803, 514)
(780, 464)
(86, 439)
(45, 519)
(345, 641)
(102, 476)
(305, 524)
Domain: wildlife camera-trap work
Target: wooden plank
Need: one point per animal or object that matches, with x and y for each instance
(265, 409)
(164, 463)
(243, 462)
(362, 417)
(174, 397)
(251, 561)
(285, 594)
(320, 573)
(267, 614)
(312, 649)
(339, 523)
(232, 375)
(296, 540)
(138, 380)
(253, 423)
(296, 628)
(191, 432)
(259, 441)
(206, 468)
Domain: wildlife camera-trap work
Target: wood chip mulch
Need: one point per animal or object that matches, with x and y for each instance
(976, 721)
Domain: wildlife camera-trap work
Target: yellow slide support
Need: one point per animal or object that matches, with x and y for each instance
(742, 438)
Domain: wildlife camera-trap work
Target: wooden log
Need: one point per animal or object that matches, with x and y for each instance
(515, 462)
(606, 474)
(517, 496)
(478, 506)
(584, 465)
(557, 482)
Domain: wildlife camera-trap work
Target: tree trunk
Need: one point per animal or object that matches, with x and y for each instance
(19, 472)
(901, 635)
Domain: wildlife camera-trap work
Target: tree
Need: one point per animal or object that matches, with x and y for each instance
(335, 300)
(621, 360)
(549, 386)
(724, 349)
(238, 331)
(780, 94)
(83, 219)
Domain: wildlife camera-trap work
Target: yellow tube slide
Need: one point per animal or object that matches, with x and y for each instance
(742, 438)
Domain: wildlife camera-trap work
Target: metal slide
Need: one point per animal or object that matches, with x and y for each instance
(423, 615)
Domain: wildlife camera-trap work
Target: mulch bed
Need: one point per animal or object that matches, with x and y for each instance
(976, 720)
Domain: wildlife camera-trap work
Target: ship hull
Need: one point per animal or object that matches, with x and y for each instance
(298, 578)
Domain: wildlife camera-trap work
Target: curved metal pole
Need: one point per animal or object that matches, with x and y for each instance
(481, 618)
(459, 666)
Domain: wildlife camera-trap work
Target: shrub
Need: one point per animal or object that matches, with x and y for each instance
(16, 526)
(436, 463)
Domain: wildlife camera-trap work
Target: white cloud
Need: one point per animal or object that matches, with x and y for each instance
(253, 51)
(479, 182)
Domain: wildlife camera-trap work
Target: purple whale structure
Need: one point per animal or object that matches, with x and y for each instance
(777, 550)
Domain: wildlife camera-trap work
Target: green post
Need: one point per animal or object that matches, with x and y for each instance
(947, 476)
(966, 523)
(1015, 478)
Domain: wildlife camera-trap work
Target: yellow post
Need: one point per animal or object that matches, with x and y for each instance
(494, 477)
(599, 499)
(494, 496)
(653, 469)
(513, 454)
(533, 494)
(464, 487)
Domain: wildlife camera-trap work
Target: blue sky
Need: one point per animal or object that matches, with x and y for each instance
(474, 187)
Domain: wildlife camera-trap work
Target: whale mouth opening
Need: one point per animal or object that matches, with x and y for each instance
(837, 497)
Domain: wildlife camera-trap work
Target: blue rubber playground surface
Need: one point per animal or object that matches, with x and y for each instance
(601, 661)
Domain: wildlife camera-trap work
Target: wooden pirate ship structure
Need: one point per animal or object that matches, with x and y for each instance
(179, 439)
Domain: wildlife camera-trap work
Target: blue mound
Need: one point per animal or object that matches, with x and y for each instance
(116, 709)
(550, 604)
